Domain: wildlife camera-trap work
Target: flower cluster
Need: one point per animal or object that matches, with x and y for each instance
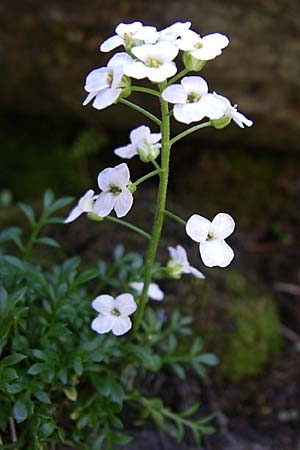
(150, 54)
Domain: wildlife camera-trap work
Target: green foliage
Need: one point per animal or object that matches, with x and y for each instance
(60, 381)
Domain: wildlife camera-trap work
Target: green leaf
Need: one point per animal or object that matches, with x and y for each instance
(209, 359)
(37, 368)
(20, 411)
(46, 429)
(12, 234)
(13, 359)
(85, 276)
(59, 204)
(45, 240)
(48, 198)
(41, 396)
(28, 211)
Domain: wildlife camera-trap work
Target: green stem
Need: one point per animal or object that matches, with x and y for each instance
(175, 217)
(177, 77)
(189, 131)
(145, 177)
(128, 225)
(141, 110)
(157, 166)
(160, 207)
(144, 89)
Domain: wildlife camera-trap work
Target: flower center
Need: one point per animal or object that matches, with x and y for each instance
(153, 62)
(210, 237)
(193, 97)
(115, 312)
(198, 45)
(109, 78)
(114, 189)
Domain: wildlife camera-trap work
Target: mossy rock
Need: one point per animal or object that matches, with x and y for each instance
(238, 321)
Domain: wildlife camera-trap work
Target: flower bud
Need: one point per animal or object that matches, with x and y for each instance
(221, 123)
(174, 270)
(148, 152)
(192, 64)
(94, 216)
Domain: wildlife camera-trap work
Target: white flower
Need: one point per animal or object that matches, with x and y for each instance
(113, 182)
(124, 36)
(143, 143)
(205, 48)
(154, 292)
(155, 62)
(172, 32)
(113, 313)
(85, 204)
(188, 98)
(179, 263)
(103, 84)
(214, 250)
(218, 106)
(145, 35)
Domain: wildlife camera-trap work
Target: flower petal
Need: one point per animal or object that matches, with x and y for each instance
(136, 70)
(154, 292)
(159, 74)
(73, 214)
(119, 176)
(125, 304)
(215, 40)
(123, 202)
(222, 226)
(103, 304)
(106, 98)
(128, 151)
(139, 133)
(121, 325)
(189, 112)
(128, 28)
(195, 84)
(197, 228)
(97, 80)
(103, 324)
(174, 94)
(111, 43)
(196, 273)
(104, 179)
(240, 120)
(104, 203)
(216, 253)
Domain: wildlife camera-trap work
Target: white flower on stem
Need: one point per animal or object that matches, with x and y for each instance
(204, 48)
(124, 36)
(156, 62)
(113, 182)
(113, 313)
(145, 35)
(172, 32)
(211, 236)
(218, 106)
(85, 204)
(154, 291)
(188, 97)
(143, 143)
(104, 84)
(179, 263)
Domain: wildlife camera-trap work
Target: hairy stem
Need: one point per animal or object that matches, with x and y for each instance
(159, 212)
(175, 217)
(145, 177)
(128, 225)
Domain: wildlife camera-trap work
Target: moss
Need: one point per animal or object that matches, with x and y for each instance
(238, 321)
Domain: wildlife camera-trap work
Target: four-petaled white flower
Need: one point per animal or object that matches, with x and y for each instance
(85, 204)
(103, 84)
(156, 62)
(143, 143)
(154, 292)
(189, 98)
(218, 106)
(179, 263)
(205, 48)
(211, 236)
(124, 36)
(113, 313)
(113, 182)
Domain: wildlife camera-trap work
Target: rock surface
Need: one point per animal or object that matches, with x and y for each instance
(47, 48)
